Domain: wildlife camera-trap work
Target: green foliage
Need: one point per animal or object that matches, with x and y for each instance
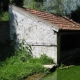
(22, 65)
(45, 59)
(34, 4)
(18, 70)
(4, 17)
(61, 7)
(4, 7)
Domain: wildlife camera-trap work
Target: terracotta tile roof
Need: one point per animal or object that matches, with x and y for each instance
(61, 21)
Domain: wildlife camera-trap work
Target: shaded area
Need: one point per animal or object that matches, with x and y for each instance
(18, 2)
(70, 42)
(73, 59)
(6, 51)
(75, 15)
(5, 3)
(70, 48)
(3, 6)
(4, 32)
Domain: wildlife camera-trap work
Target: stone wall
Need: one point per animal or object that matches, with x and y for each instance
(41, 37)
(4, 31)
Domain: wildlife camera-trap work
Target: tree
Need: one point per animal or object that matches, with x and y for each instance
(75, 15)
(3, 6)
(61, 7)
(5, 3)
(18, 2)
(34, 4)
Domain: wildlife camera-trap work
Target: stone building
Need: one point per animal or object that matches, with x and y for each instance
(46, 33)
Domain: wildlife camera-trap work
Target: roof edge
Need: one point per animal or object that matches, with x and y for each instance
(36, 18)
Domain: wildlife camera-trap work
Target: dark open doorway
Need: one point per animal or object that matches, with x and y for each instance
(70, 44)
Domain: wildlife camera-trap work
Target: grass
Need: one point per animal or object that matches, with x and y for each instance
(70, 70)
(71, 73)
(51, 76)
(21, 65)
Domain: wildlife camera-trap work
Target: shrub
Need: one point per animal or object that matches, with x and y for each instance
(4, 17)
(19, 70)
(21, 65)
(45, 59)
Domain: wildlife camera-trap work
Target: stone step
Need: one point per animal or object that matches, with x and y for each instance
(49, 66)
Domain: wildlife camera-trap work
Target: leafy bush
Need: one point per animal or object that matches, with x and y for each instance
(4, 16)
(21, 65)
(45, 59)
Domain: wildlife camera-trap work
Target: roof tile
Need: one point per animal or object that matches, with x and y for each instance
(61, 21)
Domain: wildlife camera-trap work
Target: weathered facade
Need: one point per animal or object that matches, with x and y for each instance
(34, 31)
(41, 30)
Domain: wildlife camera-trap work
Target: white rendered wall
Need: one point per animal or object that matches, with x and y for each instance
(39, 35)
